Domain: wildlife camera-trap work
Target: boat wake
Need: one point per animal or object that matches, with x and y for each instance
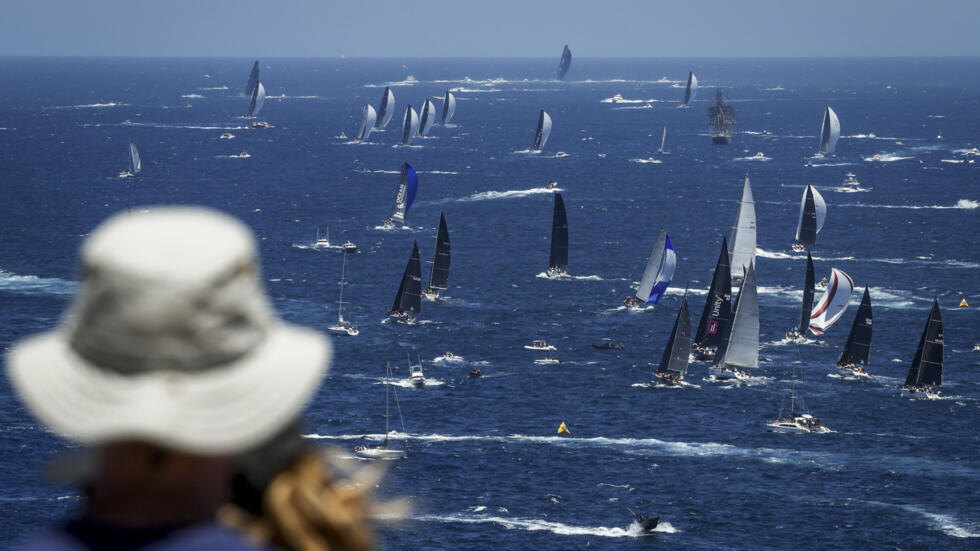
(192, 96)
(644, 106)
(753, 158)
(182, 126)
(358, 142)
(965, 204)
(537, 525)
(885, 158)
(34, 285)
(947, 524)
(510, 194)
(406, 383)
(818, 165)
(648, 160)
(618, 98)
(443, 359)
(786, 340)
(870, 136)
(466, 90)
(90, 105)
(407, 146)
(391, 229)
(546, 275)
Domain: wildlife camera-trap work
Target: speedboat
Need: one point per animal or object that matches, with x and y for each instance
(349, 247)
(798, 424)
(760, 155)
(243, 155)
(539, 345)
(552, 185)
(227, 136)
(379, 452)
(851, 181)
(822, 284)
(548, 360)
(646, 524)
(261, 125)
(876, 157)
(342, 135)
(345, 328)
(561, 155)
(415, 375)
(450, 357)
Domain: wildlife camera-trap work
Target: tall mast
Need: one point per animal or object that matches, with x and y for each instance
(340, 303)
(387, 384)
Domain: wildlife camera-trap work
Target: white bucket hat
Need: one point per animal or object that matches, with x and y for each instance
(170, 340)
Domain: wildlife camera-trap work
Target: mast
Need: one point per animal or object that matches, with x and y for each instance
(384, 444)
(559, 236)
(439, 273)
(927, 364)
(857, 351)
(717, 305)
(340, 301)
(663, 139)
(807, 296)
(678, 350)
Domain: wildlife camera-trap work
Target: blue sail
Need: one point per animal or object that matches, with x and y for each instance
(665, 273)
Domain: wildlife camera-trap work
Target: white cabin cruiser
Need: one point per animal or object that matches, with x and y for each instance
(548, 360)
(540, 345)
(797, 424)
(322, 242)
(415, 375)
(227, 136)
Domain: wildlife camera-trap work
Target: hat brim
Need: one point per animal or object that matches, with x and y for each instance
(223, 410)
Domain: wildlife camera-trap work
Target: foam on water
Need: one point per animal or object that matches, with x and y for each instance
(537, 525)
(510, 194)
(947, 524)
(34, 285)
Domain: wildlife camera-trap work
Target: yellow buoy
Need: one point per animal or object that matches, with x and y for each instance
(963, 304)
(562, 429)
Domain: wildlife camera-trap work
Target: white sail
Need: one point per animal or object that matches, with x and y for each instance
(829, 132)
(448, 107)
(659, 271)
(833, 303)
(135, 164)
(543, 131)
(410, 125)
(387, 109)
(663, 140)
(819, 207)
(368, 117)
(258, 99)
(428, 118)
(743, 345)
(741, 242)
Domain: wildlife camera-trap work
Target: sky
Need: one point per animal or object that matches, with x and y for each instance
(490, 28)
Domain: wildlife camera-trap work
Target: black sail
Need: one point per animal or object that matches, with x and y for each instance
(559, 236)
(718, 304)
(807, 296)
(409, 297)
(407, 125)
(927, 365)
(808, 225)
(687, 92)
(384, 108)
(565, 63)
(439, 275)
(678, 349)
(858, 348)
(253, 80)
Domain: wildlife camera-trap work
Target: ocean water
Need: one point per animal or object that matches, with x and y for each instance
(486, 468)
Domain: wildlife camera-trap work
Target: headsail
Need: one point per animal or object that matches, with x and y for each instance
(409, 297)
(439, 274)
(368, 118)
(663, 140)
(742, 239)
(559, 236)
(410, 126)
(829, 132)
(428, 115)
(386, 109)
(408, 185)
(255, 103)
(565, 63)
(678, 350)
(659, 271)
(253, 80)
(858, 348)
(807, 296)
(717, 305)
(543, 131)
(833, 303)
(742, 348)
(135, 164)
(692, 90)
(448, 107)
(813, 213)
(927, 365)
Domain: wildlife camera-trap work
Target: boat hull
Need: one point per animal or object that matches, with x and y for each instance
(721, 140)
(727, 374)
(379, 453)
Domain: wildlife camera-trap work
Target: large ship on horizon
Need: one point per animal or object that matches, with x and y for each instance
(721, 119)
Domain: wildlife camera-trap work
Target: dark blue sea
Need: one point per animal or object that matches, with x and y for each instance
(485, 468)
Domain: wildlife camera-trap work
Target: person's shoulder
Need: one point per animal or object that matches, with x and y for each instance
(195, 538)
(206, 537)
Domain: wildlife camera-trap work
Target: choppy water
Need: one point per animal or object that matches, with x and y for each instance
(485, 468)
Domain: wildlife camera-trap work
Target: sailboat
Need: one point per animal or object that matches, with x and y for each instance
(558, 258)
(714, 324)
(833, 303)
(740, 348)
(343, 327)
(383, 451)
(829, 132)
(813, 213)
(256, 100)
(663, 140)
(408, 300)
(796, 423)
(657, 274)
(721, 119)
(691, 91)
(448, 108)
(135, 164)
(368, 118)
(428, 115)
(410, 126)
(542, 132)
(926, 372)
(408, 186)
(799, 332)
(415, 375)
(439, 273)
(253, 80)
(564, 64)
(673, 364)
(385, 110)
(742, 238)
(854, 359)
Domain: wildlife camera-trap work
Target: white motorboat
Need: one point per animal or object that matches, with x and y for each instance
(227, 136)
(539, 345)
(548, 360)
(349, 247)
(798, 424)
(322, 242)
(262, 125)
(415, 375)
(851, 181)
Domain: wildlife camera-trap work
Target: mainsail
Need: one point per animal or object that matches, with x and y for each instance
(927, 364)
(386, 109)
(663, 140)
(565, 63)
(813, 213)
(408, 185)
(692, 90)
(742, 239)
(717, 305)
(858, 348)
(428, 115)
(253, 80)
(559, 236)
(659, 271)
(439, 274)
(256, 101)
(411, 125)
(135, 165)
(543, 131)
(742, 348)
(678, 350)
(833, 303)
(829, 132)
(409, 297)
(368, 118)
(448, 107)
(807, 296)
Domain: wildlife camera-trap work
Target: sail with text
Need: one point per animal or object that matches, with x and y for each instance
(543, 131)
(659, 271)
(717, 305)
(926, 370)
(408, 186)
(742, 346)
(564, 64)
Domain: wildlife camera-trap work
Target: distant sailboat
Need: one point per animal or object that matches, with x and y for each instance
(657, 274)
(833, 303)
(721, 120)
(742, 238)
(408, 300)
(829, 132)
(410, 126)
(714, 325)
(448, 108)
(256, 101)
(386, 109)
(663, 140)
(383, 451)
(542, 132)
(135, 164)
(673, 364)
(564, 64)
(796, 423)
(558, 259)
(408, 186)
(428, 115)
(343, 327)
(926, 372)
(799, 332)
(813, 213)
(368, 118)
(857, 351)
(439, 273)
(691, 91)
(253, 80)
(741, 347)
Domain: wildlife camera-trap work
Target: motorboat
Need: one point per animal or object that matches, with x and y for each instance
(322, 242)
(415, 375)
(822, 284)
(609, 345)
(548, 360)
(851, 181)
(798, 423)
(561, 155)
(450, 357)
(227, 136)
(646, 524)
(349, 247)
(476, 373)
(539, 345)
(552, 185)
(262, 125)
